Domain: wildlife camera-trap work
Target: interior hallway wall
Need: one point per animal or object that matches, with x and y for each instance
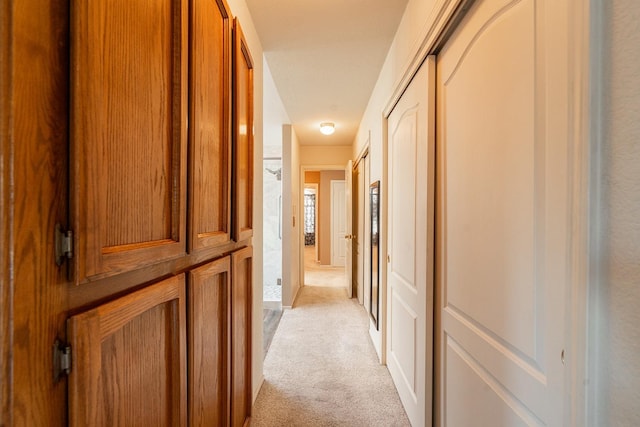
(325, 155)
(615, 315)
(404, 46)
(291, 221)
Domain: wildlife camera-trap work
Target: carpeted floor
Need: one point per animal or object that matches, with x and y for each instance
(316, 274)
(322, 370)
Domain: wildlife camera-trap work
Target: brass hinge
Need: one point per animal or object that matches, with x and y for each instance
(61, 360)
(64, 244)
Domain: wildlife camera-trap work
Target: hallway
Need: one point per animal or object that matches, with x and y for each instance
(322, 370)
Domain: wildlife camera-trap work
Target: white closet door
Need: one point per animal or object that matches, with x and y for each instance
(410, 244)
(502, 221)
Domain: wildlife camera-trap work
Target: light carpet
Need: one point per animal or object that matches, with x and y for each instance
(316, 274)
(322, 370)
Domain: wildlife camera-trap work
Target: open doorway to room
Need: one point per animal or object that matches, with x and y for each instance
(323, 236)
(272, 246)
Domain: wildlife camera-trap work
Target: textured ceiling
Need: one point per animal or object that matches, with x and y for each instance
(325, 57)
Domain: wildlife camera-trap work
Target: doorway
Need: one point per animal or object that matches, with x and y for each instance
(319, 269)
(272, 247)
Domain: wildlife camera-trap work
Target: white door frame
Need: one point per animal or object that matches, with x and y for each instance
(309, 168)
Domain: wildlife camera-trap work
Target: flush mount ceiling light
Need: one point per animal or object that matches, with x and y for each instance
(327, 128)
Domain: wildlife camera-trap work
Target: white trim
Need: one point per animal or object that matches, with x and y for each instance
(589, 31)
(256, 390)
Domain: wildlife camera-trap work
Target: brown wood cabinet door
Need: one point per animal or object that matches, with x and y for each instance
(241, 302)
(242, 136)
(128, 133)
(209, 337)
(210, 125)
(128, 360)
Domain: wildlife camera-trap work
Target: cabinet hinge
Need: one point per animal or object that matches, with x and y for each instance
(64, 244)
(61, 360)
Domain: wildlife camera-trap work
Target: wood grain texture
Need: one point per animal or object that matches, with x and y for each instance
(130, 359)
(84, 297)
(210, 130)
(6, 217)
(241, 304)
(242, 136)
(209, 343)
(39, 116)
(129, 94)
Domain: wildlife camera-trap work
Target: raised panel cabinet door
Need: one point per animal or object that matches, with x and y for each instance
(210, 130)
(129, 360)
(209, 338)
(128, 133)
(241, 297)
(242, 136)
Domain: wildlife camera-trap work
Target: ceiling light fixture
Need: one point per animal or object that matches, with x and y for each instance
(327, 128)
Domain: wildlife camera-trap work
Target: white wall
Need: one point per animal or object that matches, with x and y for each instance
(405, 45)
(616, 309)
(291, 221)
(240, 10)
(274, 114)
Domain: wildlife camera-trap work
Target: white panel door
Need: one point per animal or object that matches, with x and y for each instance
(410, 245)
(338, 223)
(502, 217)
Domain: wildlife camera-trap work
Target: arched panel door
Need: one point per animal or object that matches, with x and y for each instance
(503, 222)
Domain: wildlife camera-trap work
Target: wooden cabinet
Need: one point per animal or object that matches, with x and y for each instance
(128, 134)
(210, 128)
(219, 341)
(209, 337)
(129, 359)
(241, 297)
(242, 136)
(154, 195)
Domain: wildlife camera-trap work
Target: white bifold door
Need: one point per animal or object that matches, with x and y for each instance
(410, 244)
(502, 215)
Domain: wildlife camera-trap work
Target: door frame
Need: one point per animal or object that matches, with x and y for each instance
(309, 168)
(584, 37)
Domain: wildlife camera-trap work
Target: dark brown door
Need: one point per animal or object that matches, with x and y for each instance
(210, 125)
(209, 338)
(241, 336)
(128, 133)
(129, 360)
